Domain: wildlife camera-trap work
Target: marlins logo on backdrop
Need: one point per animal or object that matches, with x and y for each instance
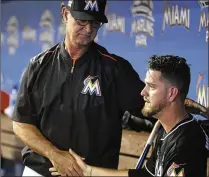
(91, 87)
(143, 8)
(203, 3)
(92, 5)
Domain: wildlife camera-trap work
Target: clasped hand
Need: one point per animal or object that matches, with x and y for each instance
(77, 166)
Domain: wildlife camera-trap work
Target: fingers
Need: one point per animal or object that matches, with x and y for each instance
(76, 156)
(55, 174)
(67, 164)
(69, 173)
(52, 169)
(78, 170)
(73, 171)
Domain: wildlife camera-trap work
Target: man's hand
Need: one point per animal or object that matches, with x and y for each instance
(65, 164)
(87, 169)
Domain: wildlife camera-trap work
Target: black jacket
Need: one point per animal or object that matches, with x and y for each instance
(81, 110)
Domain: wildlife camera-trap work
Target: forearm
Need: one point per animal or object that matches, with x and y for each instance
(97, 171)
(33, 138)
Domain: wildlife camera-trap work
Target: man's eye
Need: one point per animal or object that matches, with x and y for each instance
(82, 21)
(97, 22)
(151, 86)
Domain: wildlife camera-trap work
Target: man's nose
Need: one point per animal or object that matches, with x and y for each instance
(143, 92)
(88, 27)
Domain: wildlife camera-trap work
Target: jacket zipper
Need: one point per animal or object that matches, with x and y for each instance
(73, 66)
(71, 100)
(72, 69)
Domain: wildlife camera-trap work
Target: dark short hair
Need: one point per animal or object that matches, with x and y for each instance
(175, 70)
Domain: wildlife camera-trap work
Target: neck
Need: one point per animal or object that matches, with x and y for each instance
(75, 51)
(169, 118)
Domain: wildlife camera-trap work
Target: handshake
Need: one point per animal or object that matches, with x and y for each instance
(73, 166)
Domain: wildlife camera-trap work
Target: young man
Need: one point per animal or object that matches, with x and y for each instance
(74, 96)
(180, 148)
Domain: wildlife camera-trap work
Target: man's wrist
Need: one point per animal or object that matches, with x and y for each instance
(52, 152)
(89, 170)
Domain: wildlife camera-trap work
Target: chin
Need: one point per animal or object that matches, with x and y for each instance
(84, 42)
(150, 111)
(153, 111)
(147, 112)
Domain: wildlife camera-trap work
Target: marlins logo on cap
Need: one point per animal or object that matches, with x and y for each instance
(92, 5)
(88, 9)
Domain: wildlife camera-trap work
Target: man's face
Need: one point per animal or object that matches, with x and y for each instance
(155, 93)
(78, 34)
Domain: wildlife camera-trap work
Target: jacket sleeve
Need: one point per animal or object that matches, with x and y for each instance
(24, 109)
(129, 87)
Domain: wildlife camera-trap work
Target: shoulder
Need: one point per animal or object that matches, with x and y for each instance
(191, 135)
(42, 57)
(117, 60)
(37, 64)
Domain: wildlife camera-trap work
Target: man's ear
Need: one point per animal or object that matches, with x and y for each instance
(173, 92)
(64, 13)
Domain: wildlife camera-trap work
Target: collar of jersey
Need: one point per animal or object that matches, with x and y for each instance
(79, 62)
(181, 123)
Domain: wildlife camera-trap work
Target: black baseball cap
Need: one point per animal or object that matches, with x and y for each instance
(88, 9)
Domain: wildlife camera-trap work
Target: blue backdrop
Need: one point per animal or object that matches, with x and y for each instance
(136, 30)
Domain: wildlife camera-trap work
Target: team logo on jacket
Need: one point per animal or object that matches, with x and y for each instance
(176, 170)
(91, 85)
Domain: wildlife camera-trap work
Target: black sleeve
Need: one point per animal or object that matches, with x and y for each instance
(147, 171)
(129, 87)
(23, 111)
(139, 173)
(188, 159)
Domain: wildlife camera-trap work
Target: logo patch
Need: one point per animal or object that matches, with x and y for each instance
(91, 87)
(176, 170)
(92, 5)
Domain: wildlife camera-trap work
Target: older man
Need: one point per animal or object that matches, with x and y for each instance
(74, 96)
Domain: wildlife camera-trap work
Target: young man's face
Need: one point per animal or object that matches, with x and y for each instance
(78, 34)
(155, 93)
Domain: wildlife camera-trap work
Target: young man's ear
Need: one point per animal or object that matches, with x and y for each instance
(173, 92)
